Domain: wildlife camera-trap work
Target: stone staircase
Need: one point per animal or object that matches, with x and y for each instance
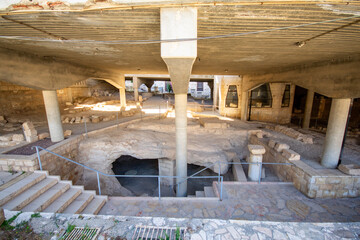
(207, 193)
(39, 192)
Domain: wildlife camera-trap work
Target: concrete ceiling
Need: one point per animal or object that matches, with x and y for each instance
(257, 53)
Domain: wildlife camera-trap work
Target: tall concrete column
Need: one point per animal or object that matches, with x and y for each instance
(136, 89)
(121, 82)
(308, 108)
(53, 115)
(216, 91)
(178, 23)
(335, 132)
(244, 105)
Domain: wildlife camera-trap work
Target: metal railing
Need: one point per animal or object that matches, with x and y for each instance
(98, 173)
(183, 179)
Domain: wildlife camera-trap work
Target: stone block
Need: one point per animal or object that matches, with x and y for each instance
(95, 119)
(256, 149)
(28, 126)
(18, 137)
(212, 123)
(6, 138)
(272, 143)
(43, 135)
(67, 133)
(290, 154)
(7, 144)
(77, 119)
(350, 169)
(29, 163)
(31, 139)
(281, 146)
(259, 135)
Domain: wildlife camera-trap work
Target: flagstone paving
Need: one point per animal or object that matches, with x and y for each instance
(123, 227)
(264, 202)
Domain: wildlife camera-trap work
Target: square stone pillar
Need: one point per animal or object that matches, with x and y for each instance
(256, 155)
(167, 167)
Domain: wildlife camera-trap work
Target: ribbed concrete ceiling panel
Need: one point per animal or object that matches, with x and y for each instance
(255, 53)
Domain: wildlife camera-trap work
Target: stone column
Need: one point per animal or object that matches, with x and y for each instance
(53, 115)
(136, 89)
(335, 132)
(308, 108)
(256, 155)
(244, 105)
(178, 23)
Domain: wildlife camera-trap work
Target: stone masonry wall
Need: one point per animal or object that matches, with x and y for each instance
(51, 163)
(314, 183)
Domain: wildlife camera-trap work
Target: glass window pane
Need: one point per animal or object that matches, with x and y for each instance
(261, 96)
(232, 97)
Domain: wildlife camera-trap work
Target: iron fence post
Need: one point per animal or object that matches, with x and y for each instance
(98, 180)
(38, 155)
(221, 189)
(219, 172)
(159, 185)
(260, 171)
(86, 133)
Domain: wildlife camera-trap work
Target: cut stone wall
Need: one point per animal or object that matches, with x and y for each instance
(314, 183)
(51, 163)
(275, 113)
(225, 82)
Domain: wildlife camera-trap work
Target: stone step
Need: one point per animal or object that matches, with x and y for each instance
(48, 197)
(20, 186)
(64, 200)
(95, 205)
(8, 179)
(79, 204)
(209, 192)
(200, 194)
(30, 194)
(191, 196)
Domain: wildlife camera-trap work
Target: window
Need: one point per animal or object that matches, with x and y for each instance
(200, 86)
(261, 96)
(232, 99)
(286, 97)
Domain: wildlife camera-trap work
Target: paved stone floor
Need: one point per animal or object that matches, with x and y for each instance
(123, 227)
(264, 202)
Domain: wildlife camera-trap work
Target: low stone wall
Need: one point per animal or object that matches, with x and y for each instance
(51, 163)
(314, 183)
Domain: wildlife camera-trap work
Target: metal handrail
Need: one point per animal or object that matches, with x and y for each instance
(230, 163)
(108, 175)
(219, 177)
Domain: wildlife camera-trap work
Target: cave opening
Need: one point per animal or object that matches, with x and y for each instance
(129, 165)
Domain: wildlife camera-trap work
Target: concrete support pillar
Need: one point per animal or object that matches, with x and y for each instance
(121, 81)
(216, 92)
(181, 140)
(244, 105)
(308, 108)
(335, 132)
(177, 23)
(256, 155)
(53, 115)
(136, 89)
